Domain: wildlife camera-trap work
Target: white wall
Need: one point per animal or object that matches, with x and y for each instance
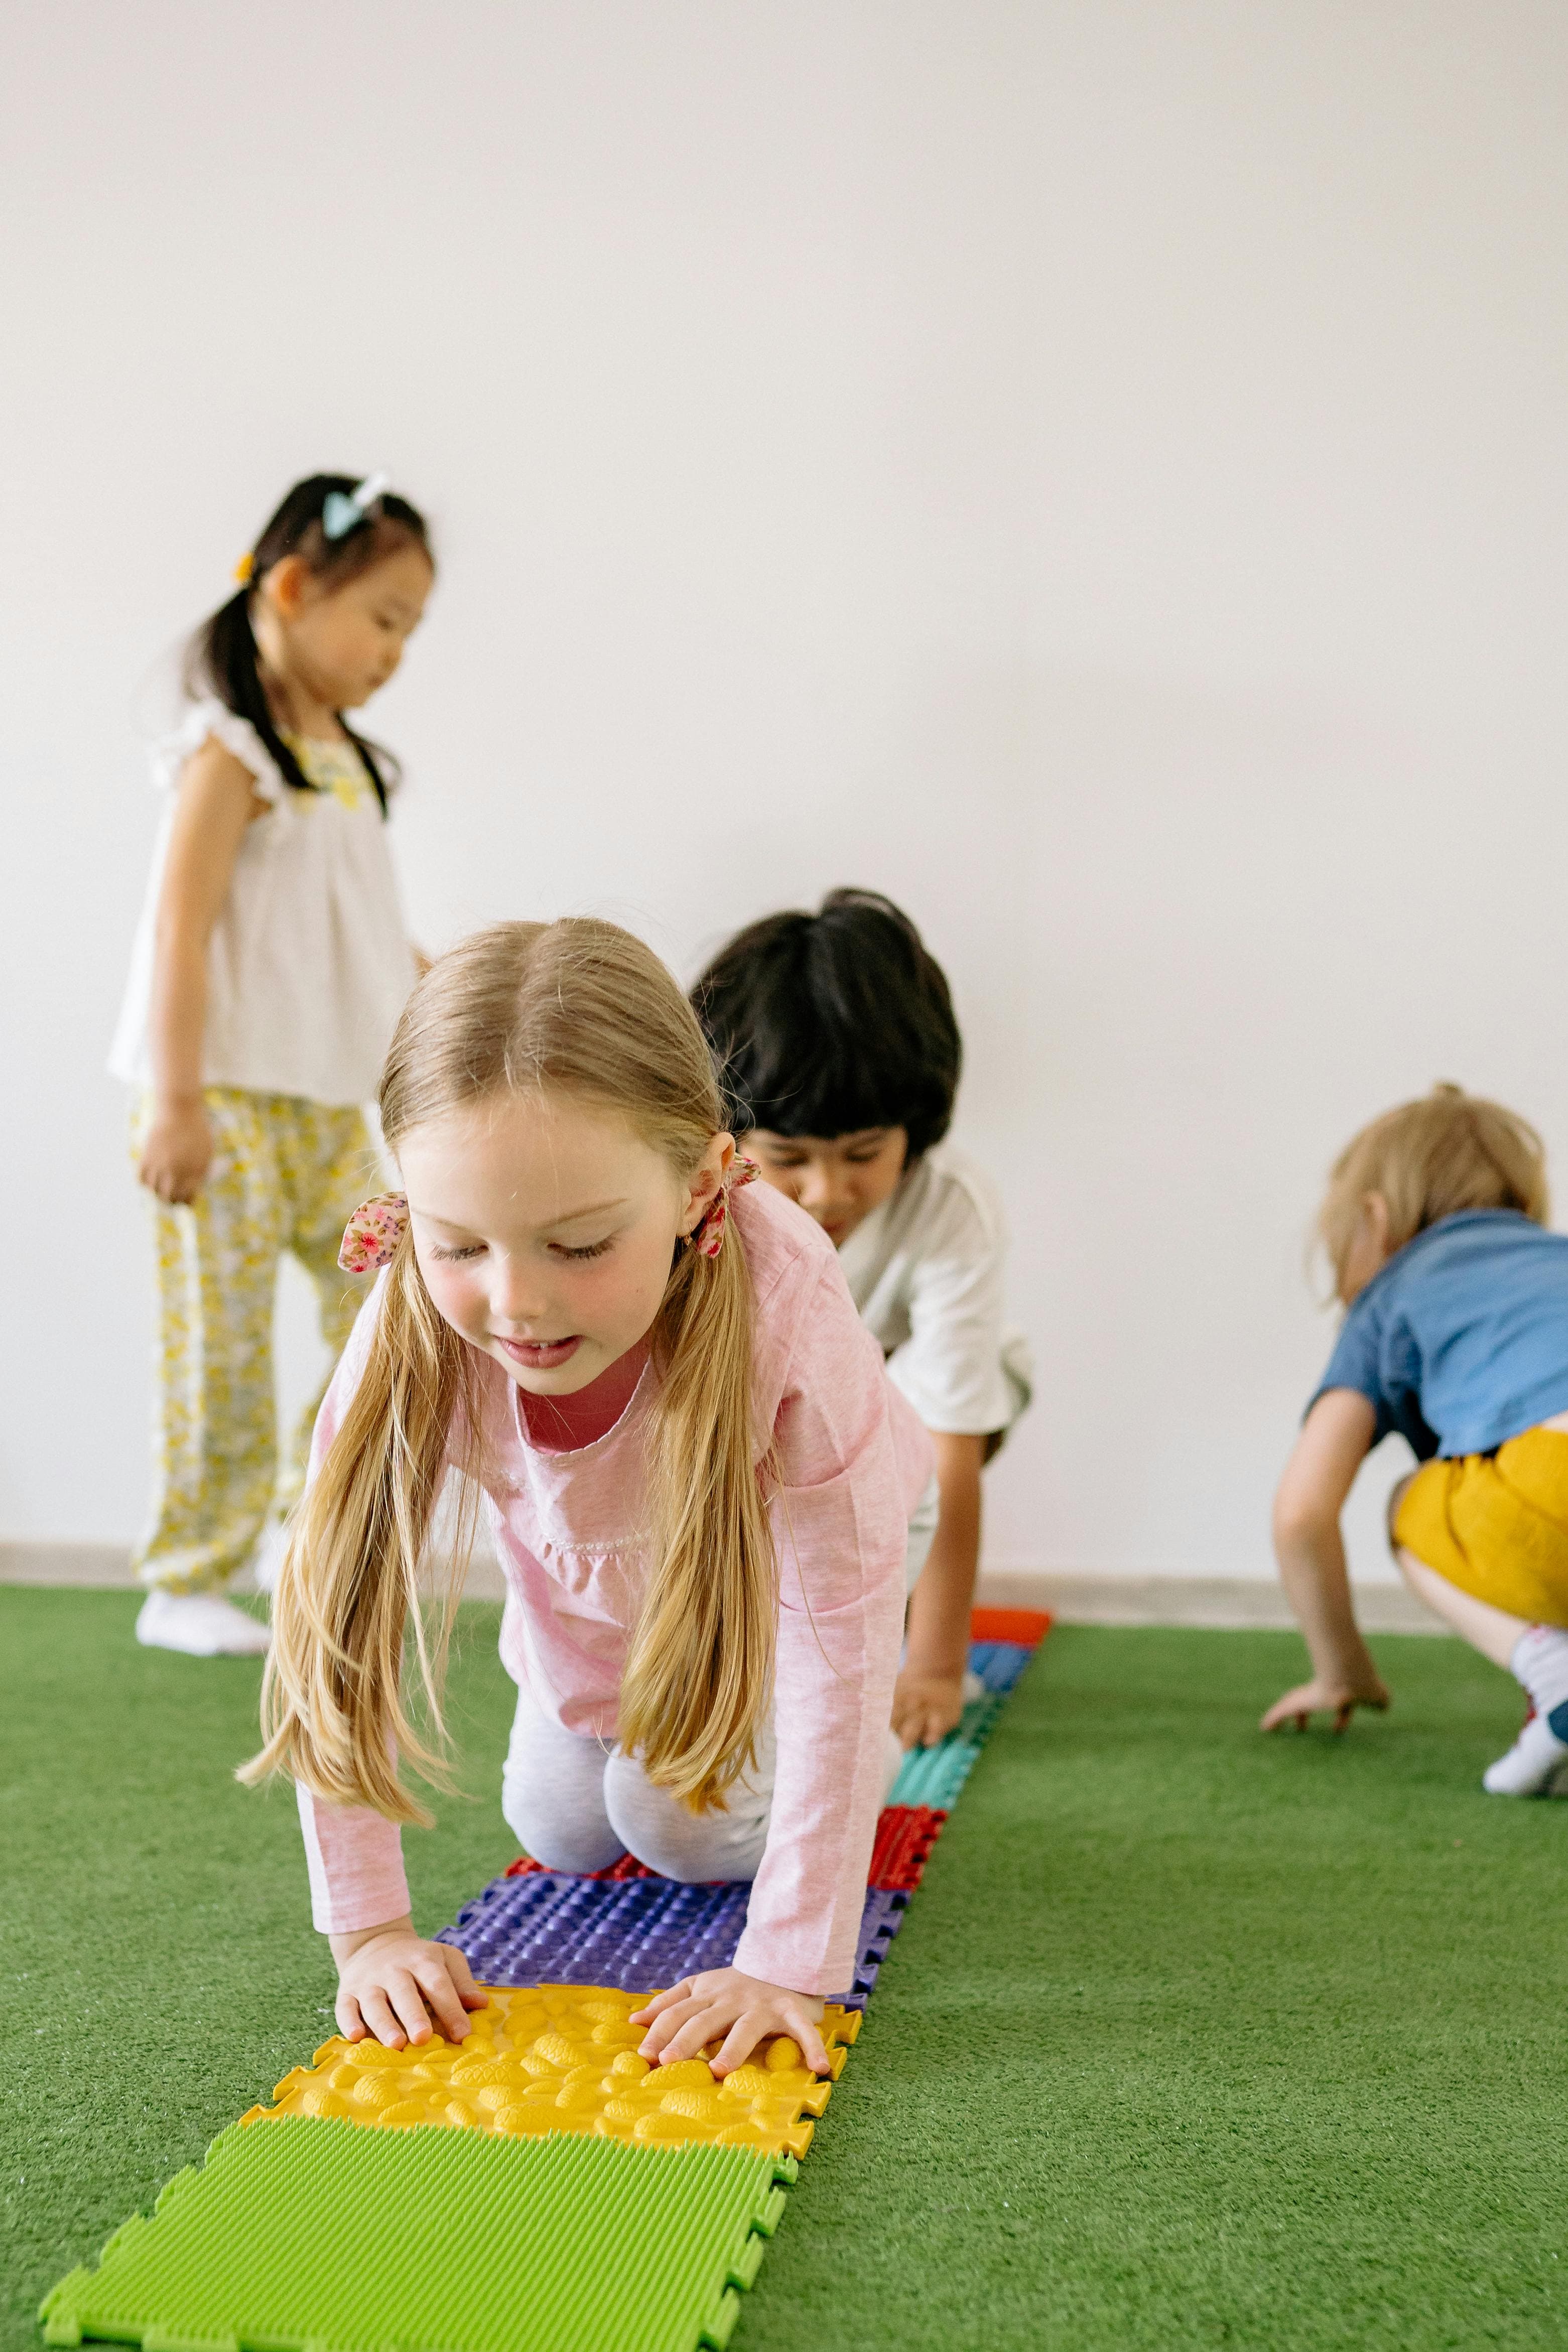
(1093, 470)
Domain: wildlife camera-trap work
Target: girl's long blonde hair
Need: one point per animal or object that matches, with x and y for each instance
(583, 1009)
(1430, 1158)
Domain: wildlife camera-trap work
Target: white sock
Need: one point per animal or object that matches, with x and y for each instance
(202, 1624)
(1529, 1763)
(1540, 1662)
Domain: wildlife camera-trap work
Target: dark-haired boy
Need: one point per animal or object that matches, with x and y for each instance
(836, 1037)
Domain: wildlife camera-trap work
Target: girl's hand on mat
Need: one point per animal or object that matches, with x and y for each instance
(726, 2003)
(395, 1986)
(927, 1707)
(1320, 1697)
(177, 1152)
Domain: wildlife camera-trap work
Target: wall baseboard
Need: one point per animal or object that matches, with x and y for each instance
(1226, 1602)
(65, 1563)
(1233, 1603)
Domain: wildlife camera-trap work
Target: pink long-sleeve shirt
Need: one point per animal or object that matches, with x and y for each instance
(854, 1460)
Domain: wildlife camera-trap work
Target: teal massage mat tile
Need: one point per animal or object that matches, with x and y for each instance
(302, 2232)
(934, 1776)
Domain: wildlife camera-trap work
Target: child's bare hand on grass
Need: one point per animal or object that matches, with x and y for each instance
(927, 1707)
(1340, 1699)
(726, 2004)
(395, 1985)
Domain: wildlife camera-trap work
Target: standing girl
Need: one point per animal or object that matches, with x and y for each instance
(698, 1479)
(270, 969)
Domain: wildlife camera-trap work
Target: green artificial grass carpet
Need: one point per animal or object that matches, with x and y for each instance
(1189, 2038)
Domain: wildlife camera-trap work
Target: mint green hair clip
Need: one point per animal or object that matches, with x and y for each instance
(342, 511)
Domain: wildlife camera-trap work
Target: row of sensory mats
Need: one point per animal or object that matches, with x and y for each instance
(537, 2185)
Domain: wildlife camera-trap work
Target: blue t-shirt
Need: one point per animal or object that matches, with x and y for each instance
(1461, 1340)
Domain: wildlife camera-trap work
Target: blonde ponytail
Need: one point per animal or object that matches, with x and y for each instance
(698, 1687)
(583, 1009)
(332, 1714)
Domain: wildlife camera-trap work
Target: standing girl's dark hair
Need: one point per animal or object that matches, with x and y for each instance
(222, 657)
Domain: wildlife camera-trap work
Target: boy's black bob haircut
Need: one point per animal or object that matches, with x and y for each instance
(825, 1025)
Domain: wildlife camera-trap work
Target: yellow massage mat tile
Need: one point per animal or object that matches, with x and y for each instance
(563, 2058)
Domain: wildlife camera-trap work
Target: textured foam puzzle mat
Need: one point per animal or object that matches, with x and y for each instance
(537, 2187)
(637, 1932)
(933, 1776)
(905, 1836)
(634, 1933)
(315, 2235)
(563, 2058)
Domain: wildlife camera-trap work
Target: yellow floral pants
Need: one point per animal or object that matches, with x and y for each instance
(286, 1175)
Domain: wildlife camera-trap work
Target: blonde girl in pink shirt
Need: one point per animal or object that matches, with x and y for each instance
(699, 1481)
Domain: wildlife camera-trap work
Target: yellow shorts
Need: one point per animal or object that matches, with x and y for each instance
(1497, 1524)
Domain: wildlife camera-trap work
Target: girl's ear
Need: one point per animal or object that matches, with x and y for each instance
(706, 1178)
(1375, 1210)
(286, 584)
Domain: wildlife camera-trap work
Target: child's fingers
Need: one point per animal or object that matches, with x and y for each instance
(1294, 1707)
(462, 1977)
(708, 2021)
(667, 2024)
(659, 2001)
(742, 2039)
(812, 2048)
(403, 1990)
(350, 2024)
(445, 2000)
(377, 2012)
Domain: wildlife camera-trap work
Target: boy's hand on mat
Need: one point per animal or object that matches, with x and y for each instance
(1320, 1697)
(726, 2004)
(176, 1153)
(395, 1986)
(927, 1707)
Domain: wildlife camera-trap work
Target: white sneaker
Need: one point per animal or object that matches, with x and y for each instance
(203, 1624)
(1530, 1763)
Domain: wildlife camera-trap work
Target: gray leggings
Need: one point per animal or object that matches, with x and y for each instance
(576, 1805)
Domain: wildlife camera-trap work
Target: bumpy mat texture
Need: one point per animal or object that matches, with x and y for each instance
(1191, 2038)
(319, 2235)
(563, 2058)
(291, 2238)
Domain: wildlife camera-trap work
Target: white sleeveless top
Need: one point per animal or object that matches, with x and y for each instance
(309, 964)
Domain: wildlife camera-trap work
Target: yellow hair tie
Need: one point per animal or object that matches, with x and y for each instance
(244, 568)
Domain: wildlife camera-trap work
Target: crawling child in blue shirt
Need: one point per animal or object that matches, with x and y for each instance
(1456, 1335)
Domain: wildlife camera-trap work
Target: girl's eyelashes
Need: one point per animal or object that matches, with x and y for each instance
(476, 1249)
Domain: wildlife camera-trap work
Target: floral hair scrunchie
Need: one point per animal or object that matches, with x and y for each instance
(373, 1233)
(708, 1235)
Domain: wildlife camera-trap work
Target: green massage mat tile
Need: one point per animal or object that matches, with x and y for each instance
(308, 2233)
